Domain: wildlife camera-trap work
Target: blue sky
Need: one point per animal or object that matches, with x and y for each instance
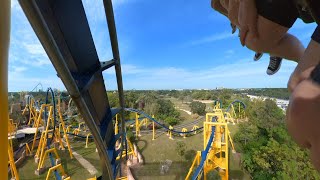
(163, 45)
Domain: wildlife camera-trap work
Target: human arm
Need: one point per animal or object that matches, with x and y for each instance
(309, 61)
(303, 114)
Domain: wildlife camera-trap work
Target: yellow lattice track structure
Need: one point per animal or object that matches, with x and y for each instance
(216, 152)
(11, 162)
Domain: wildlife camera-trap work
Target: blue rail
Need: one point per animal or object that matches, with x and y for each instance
(204, 154)
(160, 124)
(236, 101)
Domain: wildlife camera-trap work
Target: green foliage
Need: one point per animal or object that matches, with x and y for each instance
(181, 148)
(171, 121)
(281, 93)
(268, 150)
(113, 99)
(165, 107)
(190, 155)
(213, 175)
(198, 107)
(130, 135)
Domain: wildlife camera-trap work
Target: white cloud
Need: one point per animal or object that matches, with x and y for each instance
(243, 73)
(19, 80)
(35, 49)
(212, 38)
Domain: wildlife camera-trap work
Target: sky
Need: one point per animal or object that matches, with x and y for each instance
(164, 44)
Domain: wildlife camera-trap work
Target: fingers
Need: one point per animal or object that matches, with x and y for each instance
(243, 35)
(253, 30)
(247, 18)
(233, 11)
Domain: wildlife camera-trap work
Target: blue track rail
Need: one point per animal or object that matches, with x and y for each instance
(236, 101)
(204, 154)
(160, 124)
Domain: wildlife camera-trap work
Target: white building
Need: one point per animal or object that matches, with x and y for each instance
(281, 103)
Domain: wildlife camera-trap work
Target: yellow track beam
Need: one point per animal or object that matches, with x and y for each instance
(184, 134)
(11, 162)
(153, 129)
(65, 135)
(52, 150)
(195, 163)
(43, 106)
(87, 139)
(57, 167)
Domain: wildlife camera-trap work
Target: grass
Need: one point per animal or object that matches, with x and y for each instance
(157, 151)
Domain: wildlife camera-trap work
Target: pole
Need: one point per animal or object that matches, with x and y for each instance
(4, 49)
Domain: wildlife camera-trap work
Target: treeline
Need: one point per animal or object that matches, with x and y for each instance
(280, 93)
(268, 152)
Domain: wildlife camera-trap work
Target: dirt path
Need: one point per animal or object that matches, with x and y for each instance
(188, 112)
(86, 164)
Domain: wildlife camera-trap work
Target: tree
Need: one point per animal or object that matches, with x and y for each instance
(268, 150)
(171, 121)
(113, 99)
(190, 155)
(213, 175)
(181, 148)
(166, 108)
(198, 107)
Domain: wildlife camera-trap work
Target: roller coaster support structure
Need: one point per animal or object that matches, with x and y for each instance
(11, 162)
(62, 125)
(63, 30)
(215, 156)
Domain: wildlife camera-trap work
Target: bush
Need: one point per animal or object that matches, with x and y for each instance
(190, 155)
(181, 148)
(171, 121)
(198, 107)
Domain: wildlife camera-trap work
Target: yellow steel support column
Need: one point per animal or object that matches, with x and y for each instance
(194, 128)
(41, 142)
(80, 124)
(43, 106)
(45, 134)
(57, 167)
(52, 150)
(87, 139)
(137, 126)
(28, 151)
(226, 175)
(195, 163)
(65, 135)
(116, 129)
(14, 172)
(153, 129)
(68, 128)
(170, 132)
(184, 134)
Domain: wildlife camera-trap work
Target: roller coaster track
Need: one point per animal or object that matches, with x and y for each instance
(195, 122)
(64, 32)
(160, 124)
(199, 170)
(236, 101)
